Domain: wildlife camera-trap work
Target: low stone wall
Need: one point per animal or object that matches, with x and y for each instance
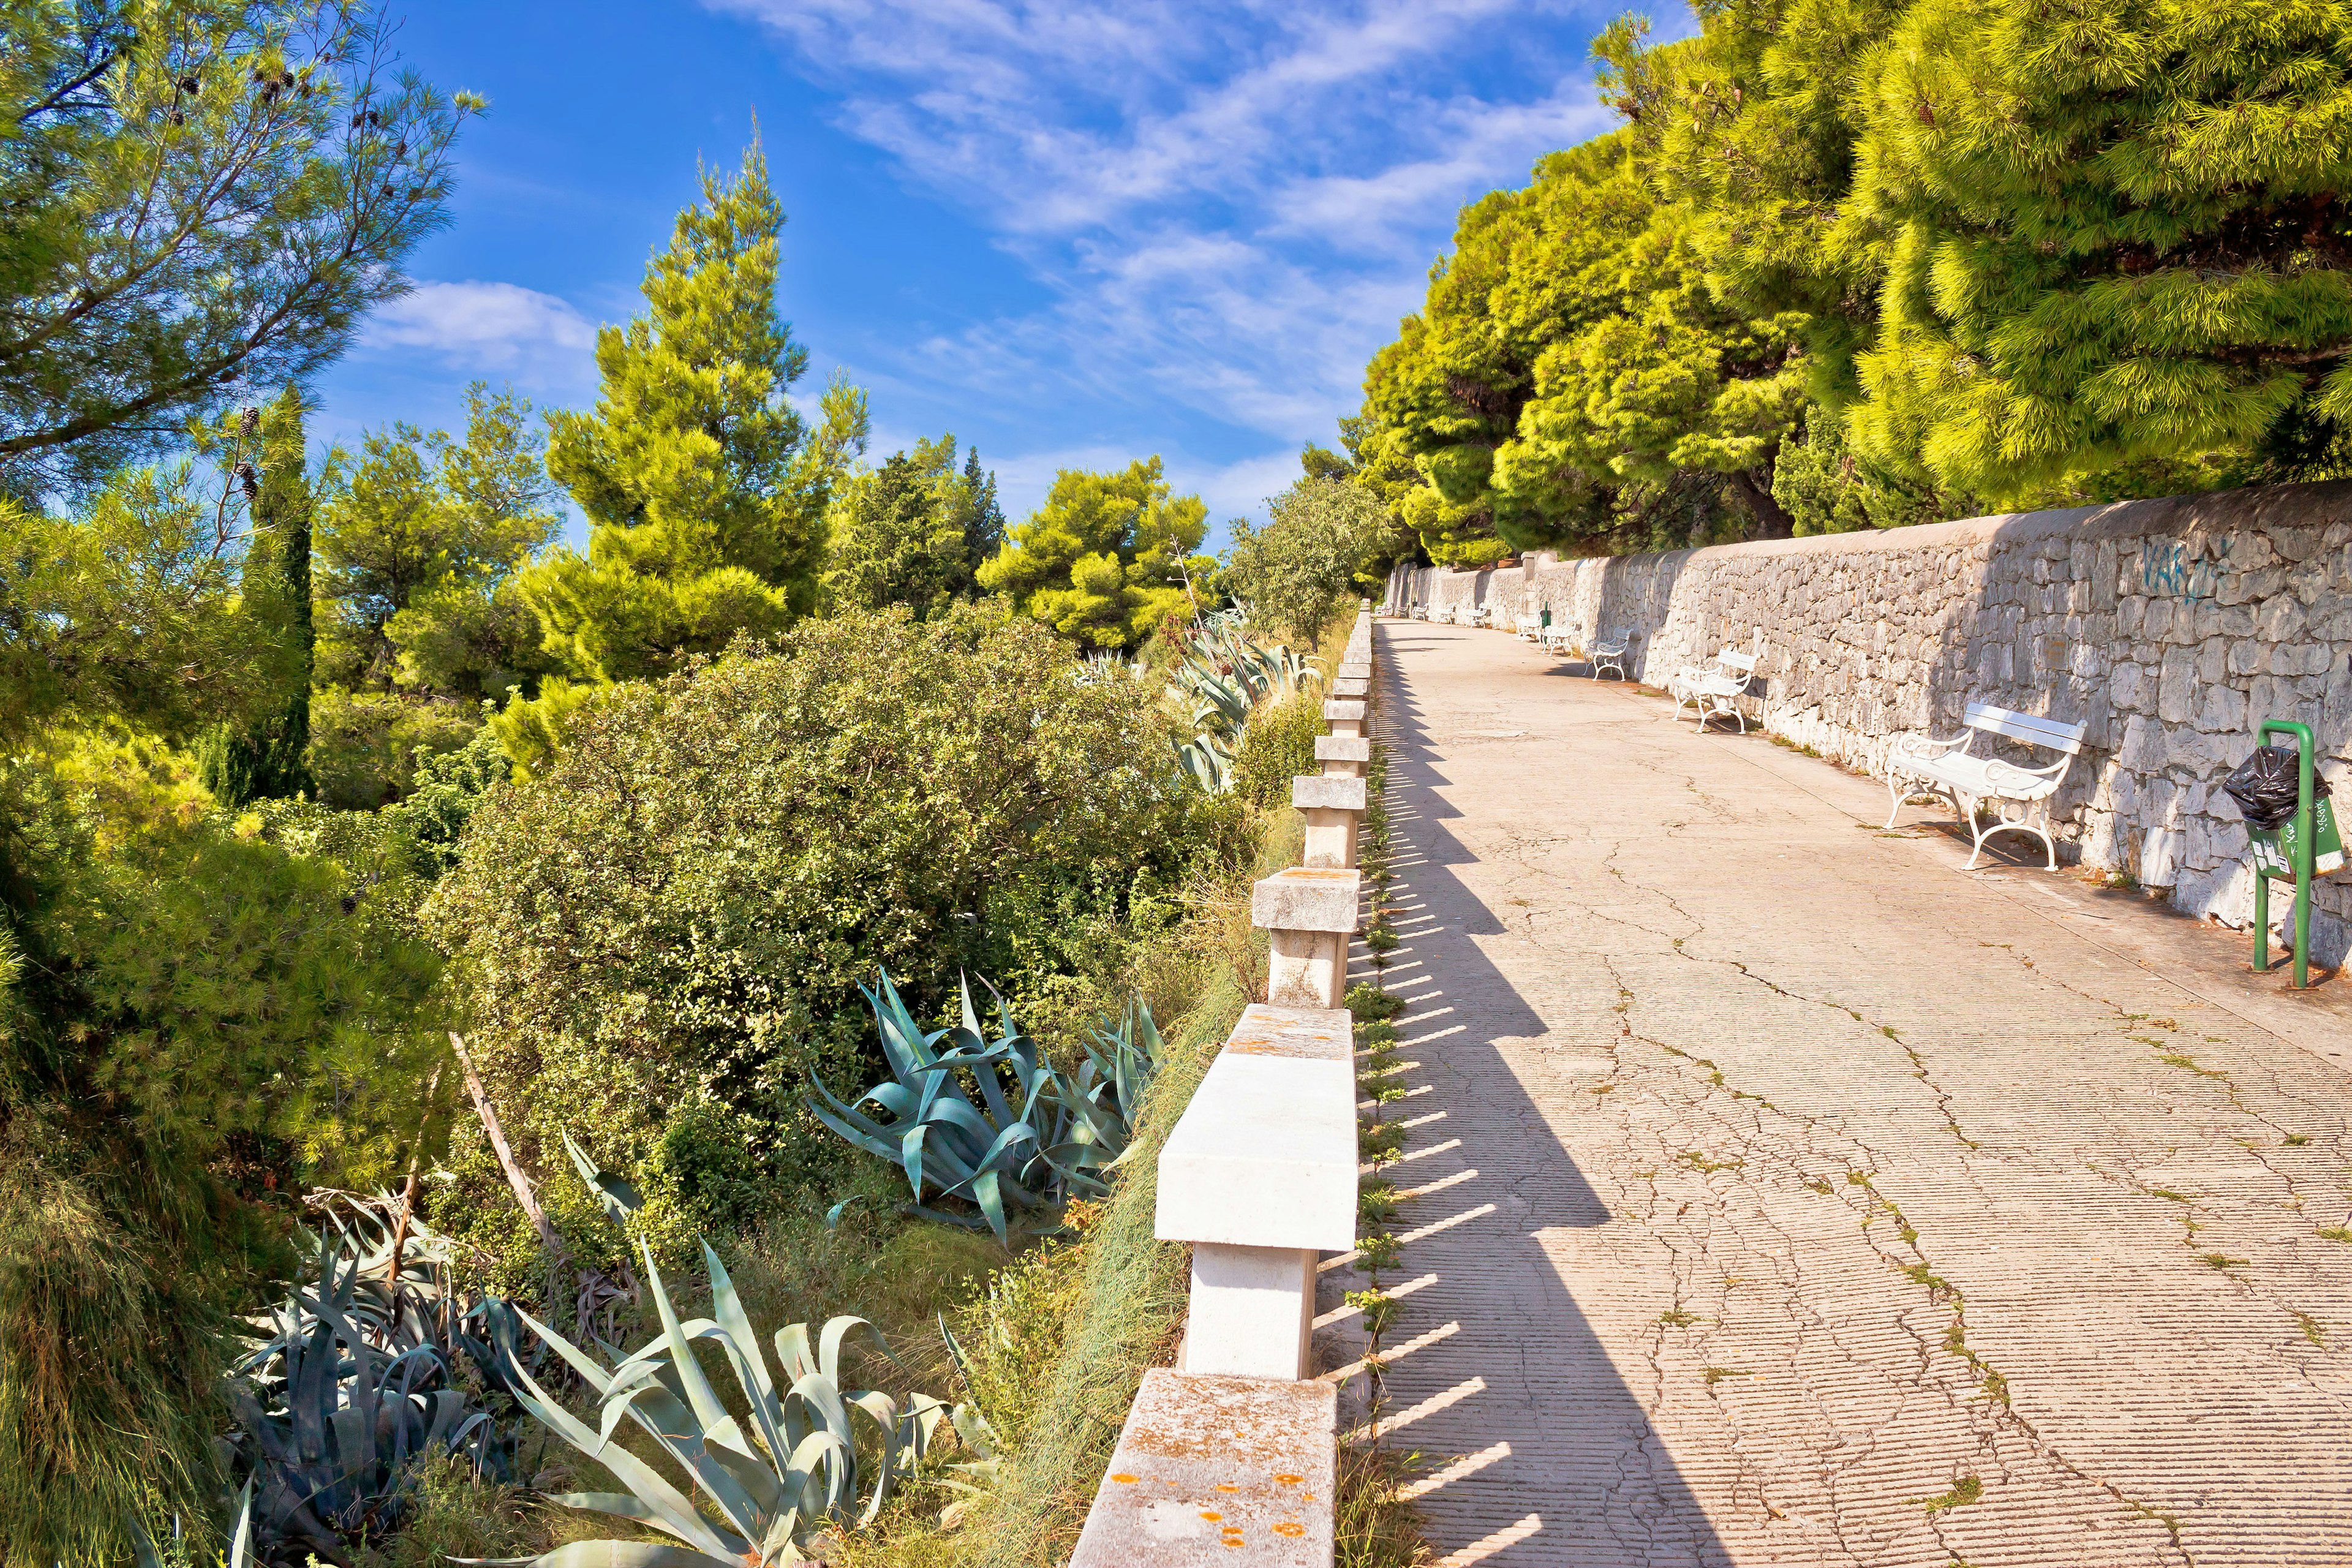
(2171, 627)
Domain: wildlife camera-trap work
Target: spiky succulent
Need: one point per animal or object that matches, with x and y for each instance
(995, 1123)
(794, 1468)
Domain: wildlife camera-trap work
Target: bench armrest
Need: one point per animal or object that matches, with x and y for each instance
(1928, 747)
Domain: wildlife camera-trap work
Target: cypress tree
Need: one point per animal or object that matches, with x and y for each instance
(263, 758)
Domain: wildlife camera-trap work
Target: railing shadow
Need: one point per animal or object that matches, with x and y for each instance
(1534, 1448)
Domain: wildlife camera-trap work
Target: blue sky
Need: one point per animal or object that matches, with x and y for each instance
(1071, 234)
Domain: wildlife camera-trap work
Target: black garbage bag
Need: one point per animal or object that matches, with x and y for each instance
(2265, 787)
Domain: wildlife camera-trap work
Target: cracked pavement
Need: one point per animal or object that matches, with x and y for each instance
(1785, 1195)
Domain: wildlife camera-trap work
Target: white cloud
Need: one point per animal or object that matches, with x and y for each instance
(490, 328)
(1231, 201)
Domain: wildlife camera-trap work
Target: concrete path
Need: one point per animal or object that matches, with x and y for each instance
(1787, 1196)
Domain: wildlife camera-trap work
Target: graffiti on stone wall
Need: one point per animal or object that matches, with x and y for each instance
(2182, 568)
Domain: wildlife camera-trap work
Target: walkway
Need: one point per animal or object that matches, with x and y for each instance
(1787, 1196)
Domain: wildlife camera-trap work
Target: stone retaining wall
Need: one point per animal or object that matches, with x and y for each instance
(2171, 627)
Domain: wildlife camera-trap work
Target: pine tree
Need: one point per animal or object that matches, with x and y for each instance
(265, 758)
(1104, 561)
(2120, 254)
(977, 511)
(705, 492)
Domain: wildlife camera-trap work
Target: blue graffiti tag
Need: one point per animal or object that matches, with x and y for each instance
(2173, 566)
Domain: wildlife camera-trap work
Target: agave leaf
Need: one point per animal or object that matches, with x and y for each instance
(609, 1554)
(664, 1506)
(691, 1446)
(617, 1197)
(742, 1347)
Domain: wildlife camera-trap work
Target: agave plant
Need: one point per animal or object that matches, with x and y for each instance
(1208, 761)
(992, 1124)
(796, 1471)
(356, 1378)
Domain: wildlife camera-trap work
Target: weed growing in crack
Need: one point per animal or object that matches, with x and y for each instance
(1698, 1161)
(2220, 1264)
(2297, 1140)
(2335, 1232)
(1677, 1318)
(1376, 1201)
(1378, 1252)
(2184, 1060)
(1716, 1375)
(2311, 1329)
(1965, 1491)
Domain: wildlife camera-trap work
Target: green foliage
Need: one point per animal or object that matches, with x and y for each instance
(190, 1015)
(1983, 255)
(2117, 242)
(365, 745)
(914, 531)
(679, 912)
(263, 758)
(191, 210)
(1370, 1003)
(806, 1463)
(419, 543)
(1278, 746)
(1107, 558)
(705, 492)
(992, 1124)
(1328, 540)
(131, 611)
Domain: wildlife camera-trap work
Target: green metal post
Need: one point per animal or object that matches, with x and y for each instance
(2305, 850)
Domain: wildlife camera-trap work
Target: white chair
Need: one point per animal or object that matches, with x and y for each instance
(1528, 627)
(1714, 691)
(1921, 764)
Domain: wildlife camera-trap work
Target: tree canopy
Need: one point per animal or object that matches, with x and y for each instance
(1107, 558)
(913, 532)
(705, 492)
(1862, 261)
(198, 202)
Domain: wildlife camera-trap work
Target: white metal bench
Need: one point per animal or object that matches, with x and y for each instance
(1482, 615)
(1604, 656)
(1530, 627)
(1921, 764)
(1714, 691)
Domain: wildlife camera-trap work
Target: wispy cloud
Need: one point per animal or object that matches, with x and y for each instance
(499, 329)
(1232, 202)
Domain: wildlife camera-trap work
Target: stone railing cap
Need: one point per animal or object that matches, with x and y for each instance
(1343, 748)
(1207, 1459)
(1308, 898)
(1322, 792)
(1344, 707)
(1351, 685)
(1264, 1154)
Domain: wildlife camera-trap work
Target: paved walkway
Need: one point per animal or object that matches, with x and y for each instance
(1787, 1196)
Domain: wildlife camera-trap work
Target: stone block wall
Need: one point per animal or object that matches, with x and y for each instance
(2171, 627)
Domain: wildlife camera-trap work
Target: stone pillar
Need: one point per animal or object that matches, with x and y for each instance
(1343, 756)
(1334, 810)
(1346, 715)
(1260, 1176)
(1307, 913)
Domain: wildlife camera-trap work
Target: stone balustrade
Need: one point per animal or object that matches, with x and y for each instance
(1231, 1456)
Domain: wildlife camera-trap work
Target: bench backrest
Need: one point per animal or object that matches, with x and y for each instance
(2025, 728)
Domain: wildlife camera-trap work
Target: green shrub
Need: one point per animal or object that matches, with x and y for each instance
(1371, 1004)
(677, 912)
(364, 745)
(1278, 746)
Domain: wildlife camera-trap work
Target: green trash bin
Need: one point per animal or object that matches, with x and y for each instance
(2275, 847)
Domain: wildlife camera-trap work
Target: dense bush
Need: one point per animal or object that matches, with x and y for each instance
(661, 937)
(1277, 747)
(193, 1016)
